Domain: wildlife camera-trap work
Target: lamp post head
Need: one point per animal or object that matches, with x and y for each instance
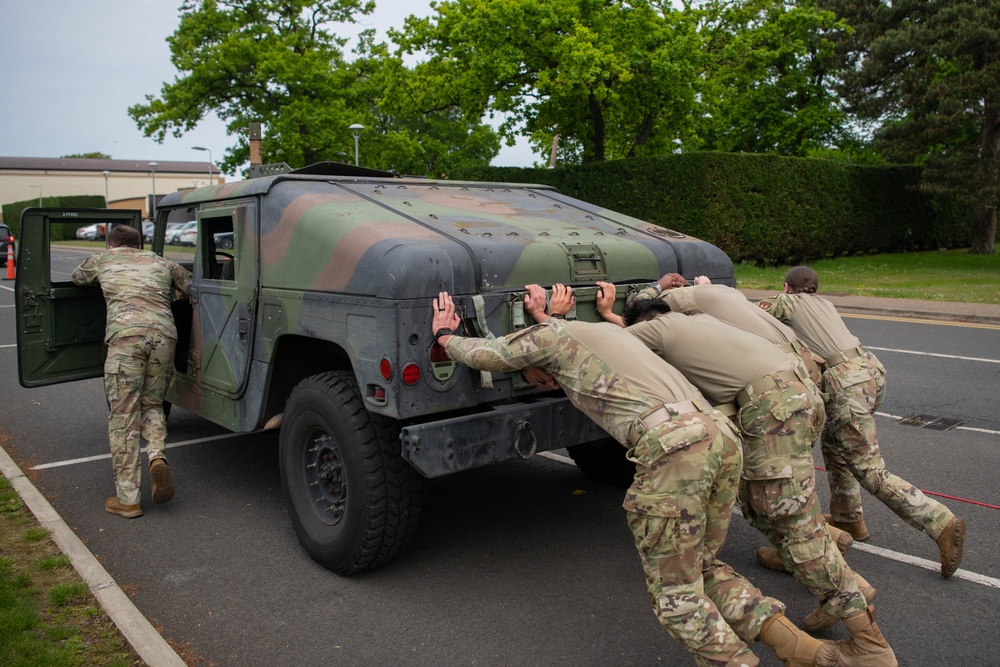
(356, 129)
(154, 165)
(106, 173)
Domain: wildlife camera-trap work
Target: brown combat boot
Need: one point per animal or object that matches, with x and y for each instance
(163, 487)
(951, 542)
(794, 647)
(113, 506)
(841, 538)
(857, 529)
(820, 620)
(866, 647)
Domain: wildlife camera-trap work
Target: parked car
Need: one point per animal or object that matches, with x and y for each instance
(93, 232)
(224, 240)
(147, 231)
(188, 237)
(173, 236)
(7, 241)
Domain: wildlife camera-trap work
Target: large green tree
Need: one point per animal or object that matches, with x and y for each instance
(928, 74)
(277, 62)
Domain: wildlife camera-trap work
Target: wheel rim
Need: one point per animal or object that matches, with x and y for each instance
(324, 476)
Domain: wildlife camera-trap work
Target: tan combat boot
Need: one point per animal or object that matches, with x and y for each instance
(951, 542)
(163, 487)
(841, 538)
(794, 647)
(820, 620)
(114, 506)
(866, 647)
(857, 529)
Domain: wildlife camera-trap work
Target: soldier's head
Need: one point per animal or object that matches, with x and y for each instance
(640, 310)
(123, 236)
(801, 279)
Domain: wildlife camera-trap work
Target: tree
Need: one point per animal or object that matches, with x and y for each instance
(90, 156)
(927, 73)
(277, 62)
(613, 79)
(769, 83)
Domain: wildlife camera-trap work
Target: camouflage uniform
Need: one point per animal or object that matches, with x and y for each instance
(854, 387)
(138, 287)
(687, 470)
(780, 416)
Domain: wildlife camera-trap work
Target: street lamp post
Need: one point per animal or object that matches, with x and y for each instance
(39, 194)
(356, 130)
(152, 167)
(202, 148)
(106, 174)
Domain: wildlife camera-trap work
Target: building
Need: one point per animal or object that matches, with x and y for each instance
(127, 184)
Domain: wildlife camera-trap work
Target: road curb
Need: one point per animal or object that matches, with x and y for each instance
(147, 642)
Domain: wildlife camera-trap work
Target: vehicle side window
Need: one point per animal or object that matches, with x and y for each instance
(218, 260)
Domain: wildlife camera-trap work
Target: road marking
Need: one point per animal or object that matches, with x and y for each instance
(7, 306)
(926, 564)
(914, 320)
(12, 345)
(558, 457)
(957, 428)
(170, 445)
(9, 289)
(934, 354)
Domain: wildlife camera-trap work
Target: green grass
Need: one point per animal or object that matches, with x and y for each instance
(944, 275)
(48, 618)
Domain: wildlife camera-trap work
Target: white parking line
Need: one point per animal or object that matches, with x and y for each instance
(170, 445)
(957, 428)
(12, 345)
(926, 564)
(9, 289)
(934, 354)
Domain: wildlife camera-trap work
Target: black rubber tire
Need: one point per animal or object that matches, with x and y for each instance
(335, 454)
(604, 460)
(226, 243)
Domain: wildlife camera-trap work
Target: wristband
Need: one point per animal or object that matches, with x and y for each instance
(656, 284)
(557, 316)
(443, 331)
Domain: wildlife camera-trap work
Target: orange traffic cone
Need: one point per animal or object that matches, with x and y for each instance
(10, 262)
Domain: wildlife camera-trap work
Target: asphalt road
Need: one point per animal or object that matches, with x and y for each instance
(523, 563)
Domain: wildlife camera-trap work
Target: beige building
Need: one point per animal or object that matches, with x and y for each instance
(127, 184)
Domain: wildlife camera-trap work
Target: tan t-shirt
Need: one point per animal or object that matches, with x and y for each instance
(730, 306)
(717, 358)
(814, 319)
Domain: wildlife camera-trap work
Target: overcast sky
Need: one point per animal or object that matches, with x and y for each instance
(71, 69)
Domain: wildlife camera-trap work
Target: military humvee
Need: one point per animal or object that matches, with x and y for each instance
(318, 320)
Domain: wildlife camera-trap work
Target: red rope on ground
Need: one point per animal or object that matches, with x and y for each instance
(944, 495)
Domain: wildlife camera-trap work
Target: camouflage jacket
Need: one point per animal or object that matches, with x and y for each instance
(138, 287)
(605, 371)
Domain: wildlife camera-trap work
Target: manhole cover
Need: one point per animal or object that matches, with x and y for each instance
(931, 422)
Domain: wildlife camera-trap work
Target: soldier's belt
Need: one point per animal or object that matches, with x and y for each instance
(731, 410)
(766, 383)
(661, 413)
(841, 357)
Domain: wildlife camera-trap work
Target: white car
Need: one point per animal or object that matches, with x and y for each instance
(173, 236)
(188, 237)
(91, 232)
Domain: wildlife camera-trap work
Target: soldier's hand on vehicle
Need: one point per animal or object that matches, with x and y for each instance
(562, 299)
(605, 298)
(672, 280)
(445, 316)
(536, 375)
(702, 280)
(534, 302)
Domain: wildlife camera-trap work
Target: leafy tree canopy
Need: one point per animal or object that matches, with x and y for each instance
(91, 156)
(277, 62)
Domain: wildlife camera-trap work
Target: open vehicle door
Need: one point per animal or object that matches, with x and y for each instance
(60, 326)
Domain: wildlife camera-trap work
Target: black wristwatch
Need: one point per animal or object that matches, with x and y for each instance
(443, 331)
(558, 316)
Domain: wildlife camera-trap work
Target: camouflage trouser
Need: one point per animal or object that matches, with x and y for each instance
(137, 373)
(855, 389)
(778, 491)
(679, 508)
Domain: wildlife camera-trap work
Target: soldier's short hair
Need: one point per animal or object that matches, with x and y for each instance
(640, 310)
(802, 279)
(124, 236)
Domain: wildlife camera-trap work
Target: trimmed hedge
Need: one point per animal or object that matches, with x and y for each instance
(12, 212)
(761, 208)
